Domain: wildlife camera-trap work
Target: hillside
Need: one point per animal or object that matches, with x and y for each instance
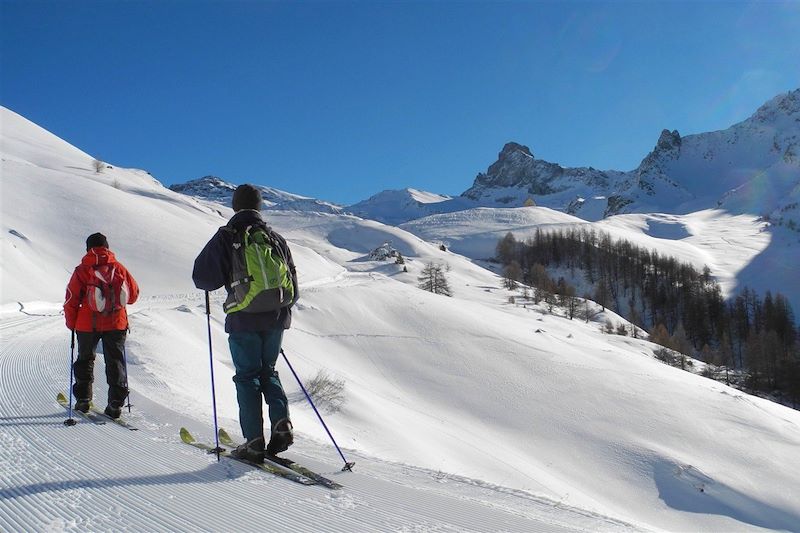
(741, 250)
(463, 413)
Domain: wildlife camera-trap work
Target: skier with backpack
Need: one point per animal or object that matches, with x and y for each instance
(255, 266)
(94, 309)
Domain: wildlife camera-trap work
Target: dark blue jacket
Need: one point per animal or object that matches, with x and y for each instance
(212, 270)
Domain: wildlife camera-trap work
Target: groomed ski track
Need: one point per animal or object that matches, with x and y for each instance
(104, 478)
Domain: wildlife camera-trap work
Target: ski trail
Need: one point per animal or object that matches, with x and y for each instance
(103, 478)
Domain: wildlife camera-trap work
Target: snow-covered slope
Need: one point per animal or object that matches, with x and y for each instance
(394, 207)
(748, 168)
(740, 250)
(476, 232)
(463, 413)
(53, 198)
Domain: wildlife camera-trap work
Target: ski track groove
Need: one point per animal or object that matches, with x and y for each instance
(91, 477)
(20, 373)
(17, 368)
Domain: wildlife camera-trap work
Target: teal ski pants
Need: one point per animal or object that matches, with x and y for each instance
(254, 356)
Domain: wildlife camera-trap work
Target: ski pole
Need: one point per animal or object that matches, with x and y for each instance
(216, 450)
(347, 465)
(71, 421)
(125, 362)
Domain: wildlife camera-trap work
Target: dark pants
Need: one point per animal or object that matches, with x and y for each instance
(114, 355)
(254, 356)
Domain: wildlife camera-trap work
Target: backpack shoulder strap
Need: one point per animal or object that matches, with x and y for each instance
(100, 276)
(237, 245)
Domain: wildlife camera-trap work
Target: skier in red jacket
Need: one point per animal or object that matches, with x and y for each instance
(94, 309)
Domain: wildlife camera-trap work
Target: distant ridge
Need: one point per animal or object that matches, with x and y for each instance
(218, 190)
(752, 167)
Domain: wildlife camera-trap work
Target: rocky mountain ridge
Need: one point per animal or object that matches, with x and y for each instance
(752, 167)
(680, 174)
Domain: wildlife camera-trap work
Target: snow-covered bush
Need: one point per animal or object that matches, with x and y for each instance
(327, 392)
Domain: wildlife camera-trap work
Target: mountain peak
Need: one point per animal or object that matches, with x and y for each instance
(511, 147)
(668, 140)
(395, 206)
(515, 166)
(206, 184)
(783, 105)
(218, 190)
(512, 158)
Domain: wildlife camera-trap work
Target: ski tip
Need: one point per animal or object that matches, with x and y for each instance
(223, 435)
(61, 398)
(186, 436)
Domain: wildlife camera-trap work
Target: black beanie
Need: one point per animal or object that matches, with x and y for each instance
(246, 197)
(96, 239)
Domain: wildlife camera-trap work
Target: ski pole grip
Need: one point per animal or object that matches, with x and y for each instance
(208, 304)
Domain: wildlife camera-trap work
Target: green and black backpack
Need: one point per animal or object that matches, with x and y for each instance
(260, 276)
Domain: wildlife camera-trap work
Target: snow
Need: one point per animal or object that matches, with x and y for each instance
(395, 206)
(462, 414)
(475, 232)
(741, 250)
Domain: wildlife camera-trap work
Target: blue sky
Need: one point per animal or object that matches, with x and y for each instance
(340, 100)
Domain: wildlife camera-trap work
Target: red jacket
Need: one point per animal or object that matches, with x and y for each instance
(76, 311)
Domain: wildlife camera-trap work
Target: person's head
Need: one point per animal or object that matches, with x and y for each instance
(96, 239)
(246, 197)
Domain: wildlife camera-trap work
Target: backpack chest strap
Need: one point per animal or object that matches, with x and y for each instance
(238, 282)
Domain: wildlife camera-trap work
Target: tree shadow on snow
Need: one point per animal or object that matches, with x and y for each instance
(774, 268)
(669, 230)
(685, 488)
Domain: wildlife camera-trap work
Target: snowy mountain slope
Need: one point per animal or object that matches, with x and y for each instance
(518, 176)
(502, 408)
(759, 153)
(52, 203)
(394, 207)
(758, 157)
(475, 232)
(216, 190)
(749, 168)
(106, 478)
(740, 250)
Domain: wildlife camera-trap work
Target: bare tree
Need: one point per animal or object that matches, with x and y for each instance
(571, 301)
(433, 279)
(506, 249)
(511, 275)
(98, 166)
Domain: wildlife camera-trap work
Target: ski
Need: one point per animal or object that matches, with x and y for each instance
(118, 421)
(226, 439)
(95, 415)
(90, 416)
(272, 468)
